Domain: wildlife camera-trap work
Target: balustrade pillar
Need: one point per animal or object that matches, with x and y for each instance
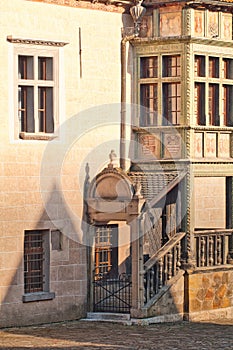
(137, 267)
(230, 254)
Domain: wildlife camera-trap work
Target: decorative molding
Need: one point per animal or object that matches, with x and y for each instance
(187, 24)
(35, 42)
(228, 129)
(188, 84)
(212, 169)
(118, 6)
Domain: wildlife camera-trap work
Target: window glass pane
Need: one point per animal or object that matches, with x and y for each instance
(45, 68)
(199, 66)
(45, 109)
(227, 68)
(228, 105)
(199, 103)
(214, 104)
(171, 66)
(25, 67)
(149, 67)
(149, 100)
(171, 103)
(26, 108)
(213, 67)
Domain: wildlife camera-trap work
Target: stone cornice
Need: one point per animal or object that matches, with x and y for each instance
(217, 5)
(181, 39)
(119, 6)
(35, 42)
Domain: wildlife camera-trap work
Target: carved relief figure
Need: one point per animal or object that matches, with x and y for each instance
(213, 24)
(170, 24)
(227, 27)
(198, 145)
(199, 23)
(211, 145)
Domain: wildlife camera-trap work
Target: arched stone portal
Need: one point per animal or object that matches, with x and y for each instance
(114, 204)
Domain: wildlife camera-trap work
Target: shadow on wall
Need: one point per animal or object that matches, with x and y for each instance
(65, 272)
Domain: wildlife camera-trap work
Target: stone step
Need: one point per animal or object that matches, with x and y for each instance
(108, 317)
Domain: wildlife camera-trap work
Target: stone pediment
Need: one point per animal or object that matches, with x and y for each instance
(112, 196)
(111, 184)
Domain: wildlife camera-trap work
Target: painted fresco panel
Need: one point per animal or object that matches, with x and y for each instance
(150, 146)
(227, 26)
(199, 28)
(213, 24)
(198, 145)
(172, 146)
(224, 146)
(210, 145)
(170, 24)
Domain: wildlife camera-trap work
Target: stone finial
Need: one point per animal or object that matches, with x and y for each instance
(138, 188)
(113, 158)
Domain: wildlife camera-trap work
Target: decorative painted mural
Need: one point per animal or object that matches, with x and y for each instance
(227, 27)
(213, 24)
(199, 29)
(170, 24)
(224, 146)
(198, 144)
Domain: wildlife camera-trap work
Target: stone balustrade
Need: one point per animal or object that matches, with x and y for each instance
(162, 266)
(213, 247)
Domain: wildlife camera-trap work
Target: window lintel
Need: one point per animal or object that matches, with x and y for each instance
(35, 42)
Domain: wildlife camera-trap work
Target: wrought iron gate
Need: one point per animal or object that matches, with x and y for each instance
(112, 295)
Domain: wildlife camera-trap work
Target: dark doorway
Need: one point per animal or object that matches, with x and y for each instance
(112, 293)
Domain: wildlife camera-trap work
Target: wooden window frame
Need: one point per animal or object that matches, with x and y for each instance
(149, 103)
(106, 251)
(200, 103)
(199, 65)
(227, 68)
(34, 117)
(171, 106)
(227, 105)
(149, 67)
(213, 104)
(213, 67)
(171, 66)
(54, 107)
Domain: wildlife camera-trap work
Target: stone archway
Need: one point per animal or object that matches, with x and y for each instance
(112, 198)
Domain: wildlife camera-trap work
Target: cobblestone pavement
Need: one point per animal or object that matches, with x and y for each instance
(109, 336)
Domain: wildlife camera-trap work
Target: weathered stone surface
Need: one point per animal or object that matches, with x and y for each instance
(210, 290)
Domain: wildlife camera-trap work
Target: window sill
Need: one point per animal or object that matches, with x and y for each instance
(39, 136)
(38, 296)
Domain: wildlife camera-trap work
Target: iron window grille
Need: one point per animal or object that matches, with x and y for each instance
(34, 277)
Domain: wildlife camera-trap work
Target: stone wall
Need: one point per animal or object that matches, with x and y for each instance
(22, 205)
(210, 294)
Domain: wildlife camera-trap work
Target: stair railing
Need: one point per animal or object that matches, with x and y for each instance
(162, 266)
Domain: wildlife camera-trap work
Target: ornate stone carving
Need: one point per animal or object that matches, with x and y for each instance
(104, 5)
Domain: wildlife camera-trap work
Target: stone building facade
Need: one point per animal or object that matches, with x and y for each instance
(149, 233)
